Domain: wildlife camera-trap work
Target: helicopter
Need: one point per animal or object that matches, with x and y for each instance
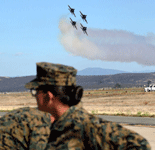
(71, 10)
(83, 29)
(73, 23)
(83, 17)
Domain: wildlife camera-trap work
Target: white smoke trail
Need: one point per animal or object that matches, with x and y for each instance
(108, 45)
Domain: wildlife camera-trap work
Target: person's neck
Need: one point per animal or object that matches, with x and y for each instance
(58, 111)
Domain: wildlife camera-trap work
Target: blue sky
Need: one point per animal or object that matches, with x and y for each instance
(121, 35)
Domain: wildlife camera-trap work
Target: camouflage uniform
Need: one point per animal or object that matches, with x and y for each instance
(24, 128)
(76, 129)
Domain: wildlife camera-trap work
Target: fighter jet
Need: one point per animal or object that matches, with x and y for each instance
(71, 10)
(83, 17)
(73, 23)
(83, 29)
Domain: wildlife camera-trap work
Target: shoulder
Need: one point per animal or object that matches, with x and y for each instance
(101, 132)
(25, 114)
(25, 127)
(82, 116)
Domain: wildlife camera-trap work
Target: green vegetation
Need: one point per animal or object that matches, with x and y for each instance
(136, 115)
(146, 114)
(119, 114)
(94, 112)
(6, 110)
(139, 113)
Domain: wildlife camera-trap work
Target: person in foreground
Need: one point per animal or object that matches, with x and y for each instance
(59, 122)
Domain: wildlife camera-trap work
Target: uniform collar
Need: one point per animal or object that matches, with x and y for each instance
(63, 120)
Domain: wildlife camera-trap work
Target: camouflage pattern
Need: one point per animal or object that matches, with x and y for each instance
(76, 129)
(53, 74)
(24, 128)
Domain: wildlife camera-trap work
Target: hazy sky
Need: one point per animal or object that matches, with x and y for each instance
(121, 35)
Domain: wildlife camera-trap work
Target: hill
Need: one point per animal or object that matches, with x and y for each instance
(124, 79)
(16, 84)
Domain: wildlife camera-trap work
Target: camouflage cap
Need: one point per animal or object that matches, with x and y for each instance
(53, 74)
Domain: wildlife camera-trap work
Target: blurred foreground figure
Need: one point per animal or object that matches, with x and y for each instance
(59, 122)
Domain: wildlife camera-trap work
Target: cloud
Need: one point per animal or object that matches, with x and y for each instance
(108, 45)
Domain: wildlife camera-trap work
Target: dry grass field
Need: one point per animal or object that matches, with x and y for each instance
(129, 101)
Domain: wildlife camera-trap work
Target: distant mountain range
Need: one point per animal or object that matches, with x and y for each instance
(99, 71)
(90, 78)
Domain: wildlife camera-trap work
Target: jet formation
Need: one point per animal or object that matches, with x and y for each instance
(74, 22)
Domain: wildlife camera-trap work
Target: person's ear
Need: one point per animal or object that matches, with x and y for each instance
(49, 98)
(50, 95)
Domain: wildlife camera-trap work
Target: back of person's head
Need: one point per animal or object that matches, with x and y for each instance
(70, 95)
(60, 80)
